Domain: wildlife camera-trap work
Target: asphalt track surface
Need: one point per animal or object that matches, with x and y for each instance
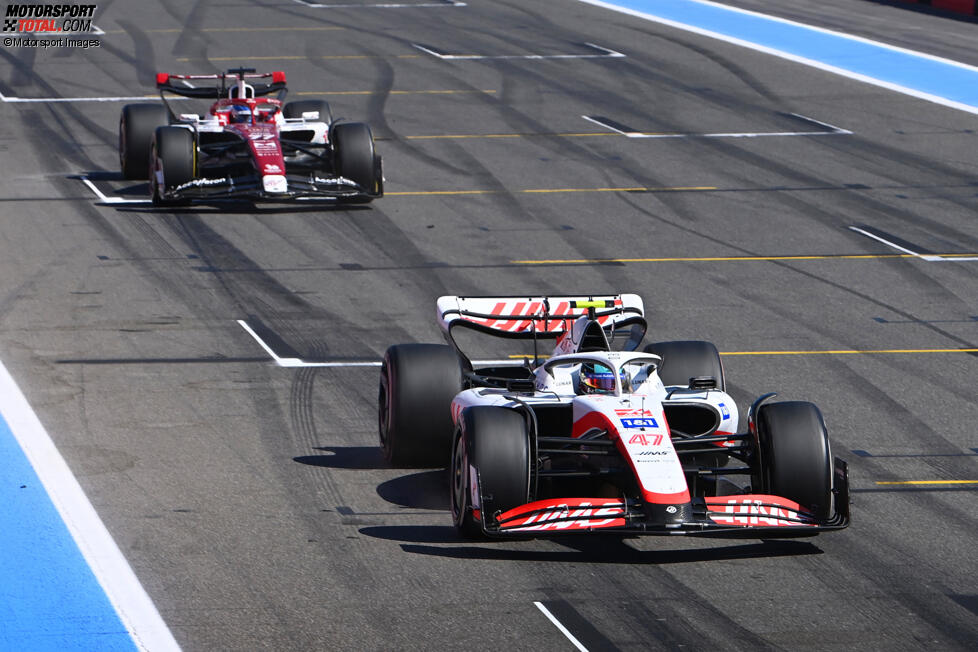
(252, 501)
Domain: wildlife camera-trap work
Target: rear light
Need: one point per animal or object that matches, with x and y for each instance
(278, 77)
(162, 78)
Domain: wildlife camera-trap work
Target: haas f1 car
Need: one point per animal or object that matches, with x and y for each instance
(248, 145)
(600, 436)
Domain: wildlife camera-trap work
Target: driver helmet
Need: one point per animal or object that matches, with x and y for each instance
(598, 378)
(240, 114)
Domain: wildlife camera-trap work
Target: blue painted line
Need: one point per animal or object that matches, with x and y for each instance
(49, 597)
(954, 82)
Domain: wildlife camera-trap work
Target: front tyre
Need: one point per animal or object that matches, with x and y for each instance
(354, 159)
(491, 461)
(174, 161)
(795, 459)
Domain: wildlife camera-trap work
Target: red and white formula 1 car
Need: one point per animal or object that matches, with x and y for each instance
(600, 436)
(247, 146)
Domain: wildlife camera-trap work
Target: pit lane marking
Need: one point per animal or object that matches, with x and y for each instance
(111, 199)
(603, 53)
(560, 626)
(423, 92)
(733, 259)
(624, 130)
(422, 193)
(132, 98)
(294, 57)
(908, 248)
(173, 30)
(100, 552)
(927, 482)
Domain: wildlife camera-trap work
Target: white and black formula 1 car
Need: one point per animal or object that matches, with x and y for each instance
(600, 436)
(247, 145)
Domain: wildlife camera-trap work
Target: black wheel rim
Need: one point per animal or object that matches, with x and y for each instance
(459, 481)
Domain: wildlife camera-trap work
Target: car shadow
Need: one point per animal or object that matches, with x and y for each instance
(346, 457)
(587, 548)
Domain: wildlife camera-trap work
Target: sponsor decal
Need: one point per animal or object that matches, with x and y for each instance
(271, 168)
(644, 422)
(562, 517)
(724, 411)
(753, 511)
(561, 315)
(633, 412)
(61, 18)
(643, 439)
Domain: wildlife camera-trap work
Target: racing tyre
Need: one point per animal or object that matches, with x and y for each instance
(683, 360)
(495, 443)
(795, 460)
(137, 124)
(354, 158)
(296, 109)
(417, 385)
(175, 154)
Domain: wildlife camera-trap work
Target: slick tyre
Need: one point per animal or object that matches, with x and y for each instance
(296, 109)
(137, 124)
(493, 445)
(354, 158)
(682, 360)
(795, 460)
(175, 155)
(417, 385)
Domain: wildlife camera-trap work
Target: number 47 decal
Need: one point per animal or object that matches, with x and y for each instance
(645, 440)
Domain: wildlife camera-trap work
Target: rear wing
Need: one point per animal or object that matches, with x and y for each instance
(541, 318)
(224, 84)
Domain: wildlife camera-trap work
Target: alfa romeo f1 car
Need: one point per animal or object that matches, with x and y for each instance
(600, 436)
(248, 145)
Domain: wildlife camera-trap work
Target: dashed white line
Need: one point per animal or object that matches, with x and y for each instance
(928, 257)
(832, 131)
(560, 626)
(111, 200)
(603, 54)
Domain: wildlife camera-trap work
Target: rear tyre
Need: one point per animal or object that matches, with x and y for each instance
(683, 360)
(296, 109)
(137, 124)
(175, 155)
(495, 443)
(354, 158)
(795, 460)
(417, 385)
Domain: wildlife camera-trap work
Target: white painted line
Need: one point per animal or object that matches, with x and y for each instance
(605, 53)
(630, 134)
(838, 130)
(36, 100)
(298, 362)
(560, 626)
(111, 200)
(403, 5)
(835, 131)
(927, 257)
(128, 597)
(804, 60)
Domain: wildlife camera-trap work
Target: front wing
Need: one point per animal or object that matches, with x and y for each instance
(745, 515)
(300, 186)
